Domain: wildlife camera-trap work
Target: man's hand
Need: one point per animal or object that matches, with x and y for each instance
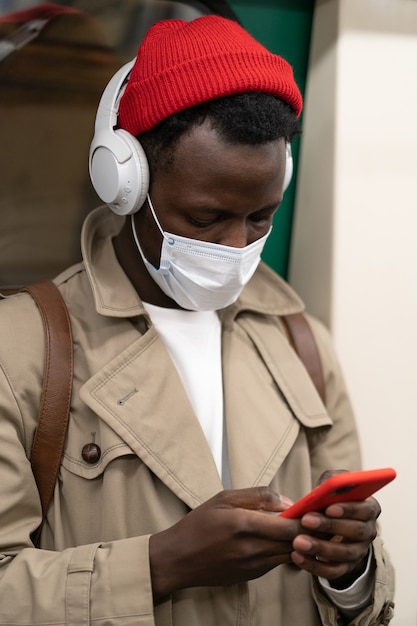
(229, 539)
(336, 543)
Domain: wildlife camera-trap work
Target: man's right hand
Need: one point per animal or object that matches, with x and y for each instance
(229, 539)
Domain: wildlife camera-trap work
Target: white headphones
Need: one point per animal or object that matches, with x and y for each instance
(289, 166)
(118, 166)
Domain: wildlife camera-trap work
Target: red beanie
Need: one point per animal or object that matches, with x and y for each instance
(180, 64)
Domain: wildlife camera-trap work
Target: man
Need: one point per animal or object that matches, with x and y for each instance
(184, 378)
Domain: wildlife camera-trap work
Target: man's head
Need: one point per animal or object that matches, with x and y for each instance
(213, 110)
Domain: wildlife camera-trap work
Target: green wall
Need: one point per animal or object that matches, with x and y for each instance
(284, 27)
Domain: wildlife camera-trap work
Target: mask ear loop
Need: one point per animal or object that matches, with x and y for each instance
(135, 235)
(139, 247)
(168, 239)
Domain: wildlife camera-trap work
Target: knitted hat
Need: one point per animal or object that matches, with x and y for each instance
(180, 64)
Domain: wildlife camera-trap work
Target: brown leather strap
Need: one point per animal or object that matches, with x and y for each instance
(304, 343)
(49, 440)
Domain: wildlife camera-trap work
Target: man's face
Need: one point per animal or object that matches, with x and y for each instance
(214, 191)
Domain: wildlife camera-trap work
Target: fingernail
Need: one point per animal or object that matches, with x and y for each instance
(303, 543)
(335, 510)
(311, 520)
(285, 501)
(297, 558)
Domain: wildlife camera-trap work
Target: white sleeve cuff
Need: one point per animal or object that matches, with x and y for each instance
(356, 597)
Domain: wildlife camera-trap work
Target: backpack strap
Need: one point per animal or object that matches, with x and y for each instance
(303, 341)
(49, 440)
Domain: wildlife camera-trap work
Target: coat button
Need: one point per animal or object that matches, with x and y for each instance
(91, 453)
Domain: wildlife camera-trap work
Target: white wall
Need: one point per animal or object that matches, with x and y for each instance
(354, 252)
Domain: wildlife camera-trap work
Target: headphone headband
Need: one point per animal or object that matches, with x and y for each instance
(106, 117)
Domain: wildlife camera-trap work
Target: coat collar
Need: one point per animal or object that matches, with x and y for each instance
(115, 295)
(113, 292)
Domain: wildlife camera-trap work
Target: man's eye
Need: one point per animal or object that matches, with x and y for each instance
(202, 223)
(261, 219)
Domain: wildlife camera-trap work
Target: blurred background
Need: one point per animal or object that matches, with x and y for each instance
(346, 234)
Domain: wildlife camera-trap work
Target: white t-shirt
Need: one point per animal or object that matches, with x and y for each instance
(193, 341)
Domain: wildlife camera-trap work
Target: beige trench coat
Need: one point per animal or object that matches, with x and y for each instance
(155, 463)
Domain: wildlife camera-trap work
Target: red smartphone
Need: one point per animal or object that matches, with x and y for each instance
(344, 487)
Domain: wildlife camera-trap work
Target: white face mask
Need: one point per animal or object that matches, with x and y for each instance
(198, 275)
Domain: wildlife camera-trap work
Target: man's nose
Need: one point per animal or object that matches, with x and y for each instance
(236, 237)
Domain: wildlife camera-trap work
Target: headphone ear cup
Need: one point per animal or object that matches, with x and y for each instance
(119, 171)
(289, 166)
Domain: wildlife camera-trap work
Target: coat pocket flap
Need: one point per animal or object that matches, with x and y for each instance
(90, 470)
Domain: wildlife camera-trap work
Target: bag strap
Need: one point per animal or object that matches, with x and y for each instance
(303, 341)
(49, 440)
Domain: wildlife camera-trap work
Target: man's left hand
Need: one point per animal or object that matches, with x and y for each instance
(336, 543)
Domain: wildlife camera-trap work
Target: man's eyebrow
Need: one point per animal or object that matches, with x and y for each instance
(216, 211)
(270, 207)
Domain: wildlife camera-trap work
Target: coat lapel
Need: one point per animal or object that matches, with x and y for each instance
(141, 397)
(268, 396)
